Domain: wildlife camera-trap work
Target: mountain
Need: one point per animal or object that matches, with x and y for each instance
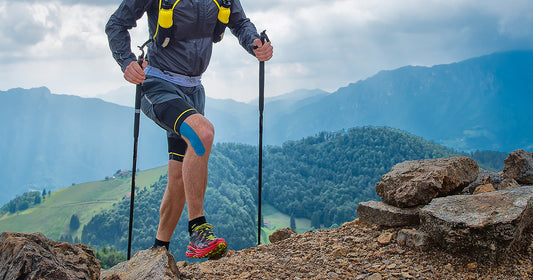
(476, 104)
(50, 141)
(481, 103)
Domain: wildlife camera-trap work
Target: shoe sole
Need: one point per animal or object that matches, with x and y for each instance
(214, 251)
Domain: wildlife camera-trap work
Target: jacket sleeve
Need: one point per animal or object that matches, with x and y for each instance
(117, 29)
(242, 27)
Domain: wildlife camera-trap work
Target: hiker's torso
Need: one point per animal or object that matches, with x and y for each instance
(189, 50)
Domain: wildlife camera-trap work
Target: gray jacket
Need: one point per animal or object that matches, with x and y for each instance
(189, 52)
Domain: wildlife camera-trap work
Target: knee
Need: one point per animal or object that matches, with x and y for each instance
(175, 176)
(200, 138)
(206, 134)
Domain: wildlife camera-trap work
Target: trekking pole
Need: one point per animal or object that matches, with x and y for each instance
(264, 38)
(138, 90)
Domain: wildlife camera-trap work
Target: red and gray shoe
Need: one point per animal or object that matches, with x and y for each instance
(204, 244)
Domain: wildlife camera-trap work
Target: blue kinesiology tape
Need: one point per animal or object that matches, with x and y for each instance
(189, 133)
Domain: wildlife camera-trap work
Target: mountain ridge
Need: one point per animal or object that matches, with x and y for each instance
(50, 141)
(482, 100)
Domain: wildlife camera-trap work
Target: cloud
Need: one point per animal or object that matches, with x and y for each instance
(70, 2)
(343, 41)
(317, 44)
(23, 26)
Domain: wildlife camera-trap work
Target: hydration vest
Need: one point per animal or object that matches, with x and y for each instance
(163, 32)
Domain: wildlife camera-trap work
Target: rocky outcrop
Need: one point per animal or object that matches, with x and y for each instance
(281, 234)
(33, 256)
(379, 213)
(155, 263)
(484, 225)
(492, 218)
(484, 177)
(519, 166)
(414, 183)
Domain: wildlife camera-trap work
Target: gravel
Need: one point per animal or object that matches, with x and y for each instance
(353, 251)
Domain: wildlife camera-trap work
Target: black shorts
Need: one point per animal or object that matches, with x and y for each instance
(168, 105)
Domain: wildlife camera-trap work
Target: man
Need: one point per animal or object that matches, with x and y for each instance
(183, 32)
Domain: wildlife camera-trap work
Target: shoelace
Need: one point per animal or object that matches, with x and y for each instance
(205, 230)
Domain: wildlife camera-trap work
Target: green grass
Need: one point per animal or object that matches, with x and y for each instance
(52, 216)
(279, 220)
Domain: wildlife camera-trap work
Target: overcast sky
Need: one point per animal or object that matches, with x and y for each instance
(61, 44)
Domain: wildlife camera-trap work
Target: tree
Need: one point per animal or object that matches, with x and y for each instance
(293, 222)
(23, 206)
(109, 257)
(66, 238)
(74, 222)
(12, 207)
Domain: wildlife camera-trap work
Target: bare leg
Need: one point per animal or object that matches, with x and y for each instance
(195, 167)
(172, 203)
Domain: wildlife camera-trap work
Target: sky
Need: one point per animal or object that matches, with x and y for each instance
(61, 44)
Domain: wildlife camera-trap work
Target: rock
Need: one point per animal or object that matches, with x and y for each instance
(413, 183)
(352, 223)
(472, 266)
(340, 251)
(484, 177)
(385, 238)
(155, 263)
(412, 238)
(519, 166)
(483, 225)
(375, 276)
(377, 212)
(485, 189)
(281, 234)
(33, 256)
(507, 184)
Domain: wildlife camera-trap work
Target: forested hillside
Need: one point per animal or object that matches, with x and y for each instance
(321, 178)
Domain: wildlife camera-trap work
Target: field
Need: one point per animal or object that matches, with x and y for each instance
(52, 216)
(277, 220)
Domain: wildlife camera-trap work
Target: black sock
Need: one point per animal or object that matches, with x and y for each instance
(159, 243)
(196, 222)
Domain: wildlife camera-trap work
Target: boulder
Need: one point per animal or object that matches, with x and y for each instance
(281, 234)
(483, 225)
(154, 263)
(33, 256)
(484, 177)
(519, 166)
(413, 183)
(507, 184)
(377, 212)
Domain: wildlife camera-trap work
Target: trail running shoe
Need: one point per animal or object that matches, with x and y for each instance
(204, 244)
